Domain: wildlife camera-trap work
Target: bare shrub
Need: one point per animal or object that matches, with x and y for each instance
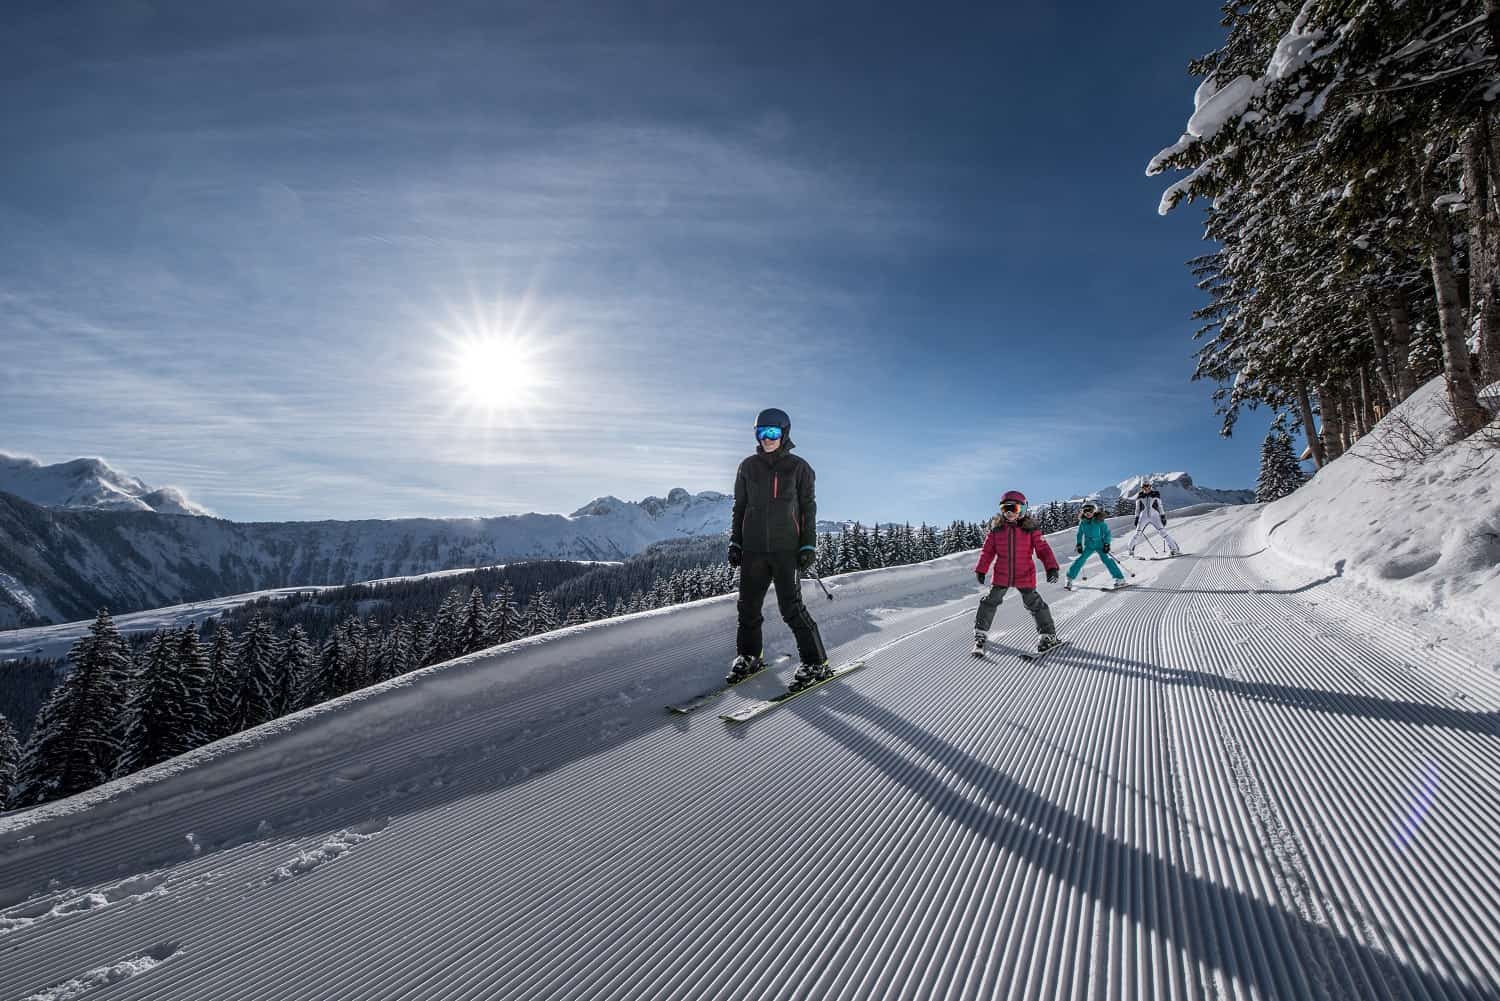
(1398, 444)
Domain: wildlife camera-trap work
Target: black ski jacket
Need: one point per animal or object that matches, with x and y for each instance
(774, 505)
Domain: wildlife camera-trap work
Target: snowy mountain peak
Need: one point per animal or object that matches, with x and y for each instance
(678, 502)
(1177, 489)
(89, 483)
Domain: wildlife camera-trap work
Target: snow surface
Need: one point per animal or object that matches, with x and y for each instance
(1426, 535)
(1237, 781)
(89, 484)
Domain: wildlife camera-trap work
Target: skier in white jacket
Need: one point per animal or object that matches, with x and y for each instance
(1149, 512)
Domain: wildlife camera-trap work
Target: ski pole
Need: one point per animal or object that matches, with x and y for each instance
(820, 584)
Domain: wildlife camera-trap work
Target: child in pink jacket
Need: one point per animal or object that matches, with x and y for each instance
(1014, 541)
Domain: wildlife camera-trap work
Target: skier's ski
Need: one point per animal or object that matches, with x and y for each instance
(1035, 655)
(763, 706)
(704, 698)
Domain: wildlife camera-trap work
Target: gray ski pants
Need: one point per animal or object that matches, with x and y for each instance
(1029, 597)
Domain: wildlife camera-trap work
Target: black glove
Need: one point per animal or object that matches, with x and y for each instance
(806, 558)
(1052, 576)
(979, 576)
(1106, 547)
(1079, 547)
(1164, 520)
(734, 554)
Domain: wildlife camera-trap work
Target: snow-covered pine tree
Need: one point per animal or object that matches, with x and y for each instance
(162, 722)
(827, 562)
(74, 742)
(1359, 138)
(192, 665)
(875, 551)
(931, 547)
(254, 669)
(598, 608)
(1280, 472)
(471, 627)
(222, 680)
(544, 615)
(503, 619)
(357, 645)
(330, 675)
(621, 608)
(10, 760)
(402, 656)
(445, 628)
(293, 667)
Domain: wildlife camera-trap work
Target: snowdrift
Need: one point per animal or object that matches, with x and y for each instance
(1423, 529)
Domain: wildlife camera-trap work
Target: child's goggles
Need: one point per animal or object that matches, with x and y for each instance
(1010, 506)
(768, 433)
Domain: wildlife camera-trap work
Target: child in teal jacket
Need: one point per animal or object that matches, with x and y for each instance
(1093, 537)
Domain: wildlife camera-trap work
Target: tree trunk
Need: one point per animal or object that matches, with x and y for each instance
(1333, 425)
(1483, 281)
(1384, 369)
(1308, 427)
(1463, 396)
(1400, 343)
(1353, 424)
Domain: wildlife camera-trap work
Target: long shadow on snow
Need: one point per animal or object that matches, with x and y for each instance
(1312, 699)
(1175, 905)
(541, 735)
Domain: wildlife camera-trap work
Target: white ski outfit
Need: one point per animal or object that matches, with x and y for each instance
(1149, 512)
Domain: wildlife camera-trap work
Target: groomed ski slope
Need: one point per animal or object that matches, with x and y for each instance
(1236, 782)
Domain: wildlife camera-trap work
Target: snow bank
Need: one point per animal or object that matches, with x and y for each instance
(1427, 534)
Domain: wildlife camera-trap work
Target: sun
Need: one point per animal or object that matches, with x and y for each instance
(495, 371)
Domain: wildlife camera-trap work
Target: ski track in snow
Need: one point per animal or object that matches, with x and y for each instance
(1236, 782)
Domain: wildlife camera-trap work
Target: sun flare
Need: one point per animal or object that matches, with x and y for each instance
(495, 370)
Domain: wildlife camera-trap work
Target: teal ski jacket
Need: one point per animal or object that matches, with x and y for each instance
(1094, 533)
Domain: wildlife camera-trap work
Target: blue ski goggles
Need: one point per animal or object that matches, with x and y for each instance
(768, 433)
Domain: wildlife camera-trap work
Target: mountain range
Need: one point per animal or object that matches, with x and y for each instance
(80, 535)
(1176, 489)
(89, 485)
(59, 564)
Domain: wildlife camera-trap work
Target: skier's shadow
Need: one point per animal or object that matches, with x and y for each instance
(1311, 699)
(1179, 907)
(1338, 571)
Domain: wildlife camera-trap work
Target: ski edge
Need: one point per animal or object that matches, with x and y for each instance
(688, 706)
(1035, 655)
(766, 705)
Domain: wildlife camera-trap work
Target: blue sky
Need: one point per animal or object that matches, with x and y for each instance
(244, 242)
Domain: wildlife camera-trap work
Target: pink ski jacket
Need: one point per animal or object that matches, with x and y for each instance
(1011, 549)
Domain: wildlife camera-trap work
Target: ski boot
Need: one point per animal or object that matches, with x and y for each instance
(1121, 582)
(1068, 584)
(1046, 642)
(742, 667)
(810, 674)
(980, 637)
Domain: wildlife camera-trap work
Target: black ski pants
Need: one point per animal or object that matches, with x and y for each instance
(1029, 597)
(758, 572)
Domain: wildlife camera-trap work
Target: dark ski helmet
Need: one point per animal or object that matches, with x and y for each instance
(1014, 497)
(773, 417)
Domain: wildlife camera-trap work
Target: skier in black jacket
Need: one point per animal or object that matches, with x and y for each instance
(772, 538)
